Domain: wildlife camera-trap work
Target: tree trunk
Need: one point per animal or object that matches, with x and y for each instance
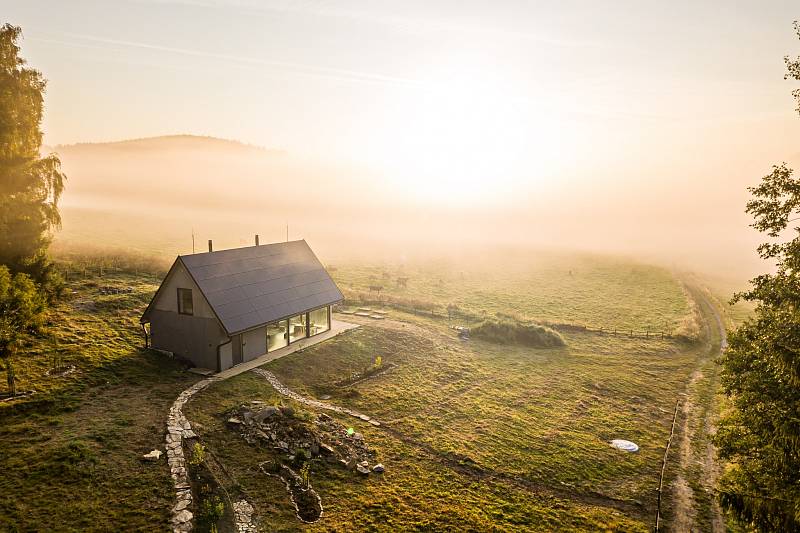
(10, 377)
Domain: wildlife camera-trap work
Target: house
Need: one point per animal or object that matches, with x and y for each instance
(219, 309)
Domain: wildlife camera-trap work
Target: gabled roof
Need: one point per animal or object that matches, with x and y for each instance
(249, 287)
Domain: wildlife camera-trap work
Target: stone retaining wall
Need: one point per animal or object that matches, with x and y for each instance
(178, 428)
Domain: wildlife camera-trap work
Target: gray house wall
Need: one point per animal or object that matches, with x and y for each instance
(194, 337)
(254, 343)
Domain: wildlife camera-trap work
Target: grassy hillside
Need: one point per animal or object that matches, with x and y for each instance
(476, 435)
(71, 452)
(599, 291)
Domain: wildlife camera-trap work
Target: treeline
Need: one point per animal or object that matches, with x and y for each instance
(30, 188)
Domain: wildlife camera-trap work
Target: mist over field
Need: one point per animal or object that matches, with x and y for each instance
(476, 266)
(149, 195)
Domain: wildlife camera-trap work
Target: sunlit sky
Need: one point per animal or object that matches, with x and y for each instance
(448, 99)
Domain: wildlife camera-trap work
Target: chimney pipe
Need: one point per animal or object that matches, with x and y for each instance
(210, 247)
(256, 239)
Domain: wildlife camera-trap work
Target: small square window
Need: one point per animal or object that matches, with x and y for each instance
(185, 302)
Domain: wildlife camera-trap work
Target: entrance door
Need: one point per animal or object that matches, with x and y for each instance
(237, 350)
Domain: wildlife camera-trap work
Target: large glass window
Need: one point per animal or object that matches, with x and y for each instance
(277, 336)
(297, 327)
(185, 302)
(319, 321)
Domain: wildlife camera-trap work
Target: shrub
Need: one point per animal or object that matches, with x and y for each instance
(212, 512)
(198, 454)
(507, 332)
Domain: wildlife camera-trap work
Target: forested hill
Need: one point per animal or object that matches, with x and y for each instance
(163, 142)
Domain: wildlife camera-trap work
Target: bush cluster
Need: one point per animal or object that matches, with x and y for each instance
(508, 332)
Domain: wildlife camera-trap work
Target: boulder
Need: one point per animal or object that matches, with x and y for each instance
(182, 517)
(362, 470)
(265, 413)
(181, 505)
(155, 455)
(378, 468)
(326, 450)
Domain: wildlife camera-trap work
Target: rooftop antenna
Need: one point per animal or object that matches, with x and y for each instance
(192, 240)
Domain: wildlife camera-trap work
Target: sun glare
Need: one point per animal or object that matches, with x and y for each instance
(469, 137)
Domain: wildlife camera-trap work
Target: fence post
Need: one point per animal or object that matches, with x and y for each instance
(664, 467)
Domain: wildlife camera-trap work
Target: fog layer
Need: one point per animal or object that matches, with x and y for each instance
(154, 194)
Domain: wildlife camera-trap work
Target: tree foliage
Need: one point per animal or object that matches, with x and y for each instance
(21, 311)
(30, 185)
(760, 436)
(793, 68)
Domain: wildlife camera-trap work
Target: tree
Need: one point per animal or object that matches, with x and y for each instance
(30, 185)
(760, 436)
(21, 311)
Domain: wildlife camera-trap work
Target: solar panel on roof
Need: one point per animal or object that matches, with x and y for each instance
(248, 287)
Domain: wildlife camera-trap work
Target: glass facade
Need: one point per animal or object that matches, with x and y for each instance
(319, 321)
(297, 327)
(283, 332)
(277, 335)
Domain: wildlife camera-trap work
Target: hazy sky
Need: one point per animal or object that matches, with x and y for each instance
(396, 83)
(663, 110)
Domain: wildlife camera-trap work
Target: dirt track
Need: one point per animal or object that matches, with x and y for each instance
(684, 500)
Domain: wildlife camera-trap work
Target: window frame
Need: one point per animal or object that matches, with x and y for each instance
(304, 317)
(308, 320)
(285, 322)
(181, 308)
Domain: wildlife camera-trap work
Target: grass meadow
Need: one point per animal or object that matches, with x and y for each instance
(480, 436)
(592, 290)
(476, 436)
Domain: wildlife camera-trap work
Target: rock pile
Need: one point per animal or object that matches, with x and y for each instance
(278, 428)
(115, 290)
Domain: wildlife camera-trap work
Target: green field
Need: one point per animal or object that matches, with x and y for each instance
(598, 291)
(476, 436)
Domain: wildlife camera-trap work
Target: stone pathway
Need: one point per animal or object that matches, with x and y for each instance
(243, 513)
(286, 391)
(178, 428)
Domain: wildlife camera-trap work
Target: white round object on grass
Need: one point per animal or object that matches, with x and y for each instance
(625, 445)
